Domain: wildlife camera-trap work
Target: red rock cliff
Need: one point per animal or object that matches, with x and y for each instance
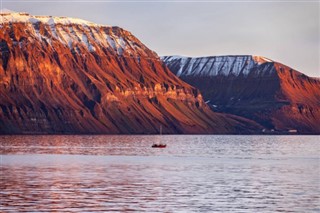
(64, 75)
(274, 95)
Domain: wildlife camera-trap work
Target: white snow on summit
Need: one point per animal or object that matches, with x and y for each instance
(73, 33)
(215, 65)
(8, 16)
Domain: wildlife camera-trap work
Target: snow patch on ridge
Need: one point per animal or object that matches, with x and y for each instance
(215, 65)
(261, 59)
(118, 44)
(87, 43)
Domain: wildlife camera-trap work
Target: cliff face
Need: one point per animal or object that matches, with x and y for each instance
(64, 75)
(254, 87)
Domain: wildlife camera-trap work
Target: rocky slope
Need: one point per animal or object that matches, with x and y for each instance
(66, 75)
(279, 98)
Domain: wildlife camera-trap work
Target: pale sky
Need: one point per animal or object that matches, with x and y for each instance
(285, 31)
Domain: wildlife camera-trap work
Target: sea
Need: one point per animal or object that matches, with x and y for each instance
(194, 173)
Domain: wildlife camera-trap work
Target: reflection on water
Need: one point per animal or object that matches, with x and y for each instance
(193, 174)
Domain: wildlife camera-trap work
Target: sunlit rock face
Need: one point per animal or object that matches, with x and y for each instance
(270, 93)
(66, 75)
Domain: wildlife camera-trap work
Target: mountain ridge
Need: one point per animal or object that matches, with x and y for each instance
(268, 92)
(75, 78)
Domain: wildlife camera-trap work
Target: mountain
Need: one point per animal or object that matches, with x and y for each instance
(272, 94)
(67, 75)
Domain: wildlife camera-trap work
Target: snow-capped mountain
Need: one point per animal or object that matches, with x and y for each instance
(270, 93)
(77, 33)
(67, 75)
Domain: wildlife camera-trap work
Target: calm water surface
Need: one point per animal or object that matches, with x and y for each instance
(193, 174)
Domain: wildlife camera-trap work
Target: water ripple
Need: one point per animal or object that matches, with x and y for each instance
(194, 174)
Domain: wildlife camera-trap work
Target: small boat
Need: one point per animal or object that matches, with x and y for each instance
(159, 145)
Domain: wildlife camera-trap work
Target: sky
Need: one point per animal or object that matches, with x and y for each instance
(284, 31)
